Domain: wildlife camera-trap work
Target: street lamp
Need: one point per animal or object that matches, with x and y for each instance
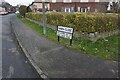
(44, 17)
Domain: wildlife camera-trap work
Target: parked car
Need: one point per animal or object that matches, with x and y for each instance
(3, 13)
(17, 12)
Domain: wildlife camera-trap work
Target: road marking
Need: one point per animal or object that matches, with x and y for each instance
(11, 72)
(10, 40)
(14, 50)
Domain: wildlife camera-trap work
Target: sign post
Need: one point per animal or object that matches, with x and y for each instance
(44, 17)
(65, 32)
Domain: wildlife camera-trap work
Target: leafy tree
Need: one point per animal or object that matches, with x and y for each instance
(29, 9)
(23, 10)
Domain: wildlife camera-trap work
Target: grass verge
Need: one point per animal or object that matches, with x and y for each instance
(104, 48)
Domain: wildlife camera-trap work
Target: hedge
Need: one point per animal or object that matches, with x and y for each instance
(82, 22)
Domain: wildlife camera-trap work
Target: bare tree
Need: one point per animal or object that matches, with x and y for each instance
(116, 6)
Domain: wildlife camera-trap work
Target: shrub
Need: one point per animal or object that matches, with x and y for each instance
(87, 22)
(54, 19)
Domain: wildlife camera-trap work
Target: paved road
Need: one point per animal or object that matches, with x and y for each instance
(0, 47)
(14, 62)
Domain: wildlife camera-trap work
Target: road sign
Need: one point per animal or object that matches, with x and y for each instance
(65, 35)
(65, 32)
(65, 29)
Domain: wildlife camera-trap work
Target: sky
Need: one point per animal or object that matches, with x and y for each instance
(23, 2)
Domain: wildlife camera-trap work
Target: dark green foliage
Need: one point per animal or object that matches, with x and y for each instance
(23, 10)
(29, 9)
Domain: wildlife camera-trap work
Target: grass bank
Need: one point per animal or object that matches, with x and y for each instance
(104, 48)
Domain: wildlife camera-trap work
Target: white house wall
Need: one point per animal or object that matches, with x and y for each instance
(2, 9)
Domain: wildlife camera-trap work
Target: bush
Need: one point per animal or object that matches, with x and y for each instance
(87, 22)
(23, 10)
(29, 9)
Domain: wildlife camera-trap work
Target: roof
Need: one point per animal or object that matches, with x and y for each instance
(36, 2)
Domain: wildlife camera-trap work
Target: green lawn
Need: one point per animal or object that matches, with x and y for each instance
(104, 48)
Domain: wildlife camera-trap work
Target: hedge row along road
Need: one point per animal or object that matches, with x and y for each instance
(81, 22)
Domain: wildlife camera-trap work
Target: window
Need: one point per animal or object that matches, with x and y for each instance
(84, 0)
(96, 10)
(72, 9)
(54, 10)
(67, 0)
(78, 9)
(96, 0)
(83, 9)
(54, 1)
(67, 9)
(88, 8)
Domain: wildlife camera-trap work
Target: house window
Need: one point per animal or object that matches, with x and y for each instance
(83, 9)
(54, 1)
(78, 9)
(84, 0)
(96, 10)
(97, 1)
(89, 9)
(67, 9)
(62, 9)
(72, 9)
(67, 0)
(54, 10)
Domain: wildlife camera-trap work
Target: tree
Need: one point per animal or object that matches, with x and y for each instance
(116, 7)
(29, 9)
(23, 10)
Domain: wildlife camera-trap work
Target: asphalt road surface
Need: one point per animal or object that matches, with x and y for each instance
(14, 62)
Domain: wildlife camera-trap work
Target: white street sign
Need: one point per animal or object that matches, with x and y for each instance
(65, 32)
(65, 29)
(65, 35)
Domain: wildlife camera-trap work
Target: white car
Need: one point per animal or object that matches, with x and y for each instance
(17, 12)
(3, 13)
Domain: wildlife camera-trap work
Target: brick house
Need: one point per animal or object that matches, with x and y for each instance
(78, 6)
(73, 5)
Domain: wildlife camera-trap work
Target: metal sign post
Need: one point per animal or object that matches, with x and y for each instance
(65, 32)
(44, 17)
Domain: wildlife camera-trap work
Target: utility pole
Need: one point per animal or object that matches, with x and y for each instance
(44, 17)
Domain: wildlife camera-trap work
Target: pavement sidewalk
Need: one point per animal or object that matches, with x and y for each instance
(56, 61)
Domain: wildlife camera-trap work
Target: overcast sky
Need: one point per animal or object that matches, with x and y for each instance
(15, 2)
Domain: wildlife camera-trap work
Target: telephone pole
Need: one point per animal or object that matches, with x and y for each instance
(44, 17)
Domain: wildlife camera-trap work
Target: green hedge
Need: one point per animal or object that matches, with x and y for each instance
(84, 22)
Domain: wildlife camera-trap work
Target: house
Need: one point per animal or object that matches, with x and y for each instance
(5, 6)
(78, 6)
(14, 9)
(71, 5)
(37, 6)
(2, 9)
